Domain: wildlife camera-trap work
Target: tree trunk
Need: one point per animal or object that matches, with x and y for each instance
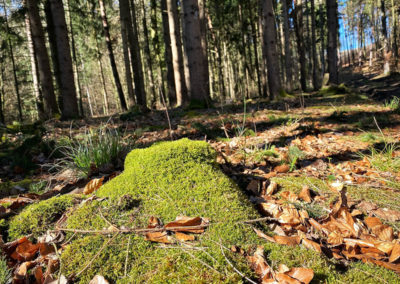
(299, 28)
(69, 105)
(111, 56)
(271, 56)
(332, 16)
(34, 70)
(75, 62)
(11, 49)
(168, 54)
(45, 76)
(136, 58)
(196, 52)
(395, 49)
(314, 48)
(386, 48)
(125, 20)
(288, 57)
(2, 92)
(177, 56)
(147, 53)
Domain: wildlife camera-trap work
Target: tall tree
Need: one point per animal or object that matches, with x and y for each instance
(314, 47)
(45, 76)
(299, 28)
(133, 37)
(69, 108)
(168, 54)
(288, 57)
(125, 26)
(269, 49)
(332, 16)
(106, 29)
(177, 56)
(196, 52)
(386, 48)
(34, 70)
(11, 50)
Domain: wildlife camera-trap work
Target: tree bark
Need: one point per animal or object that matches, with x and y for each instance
(316, 85)
(45, 76)
(299, 28)
(11, 49)
(2, 92)
(34, 70)
(196, 52)
(125, 25)
(141, 98)
(288, 57)
(386, 48)
(168, 54)
(271, 56)
(176, 50)
(332, 16)
(114, 69)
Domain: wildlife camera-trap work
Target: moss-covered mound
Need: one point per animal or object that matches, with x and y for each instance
(37, 217)
(166, 180)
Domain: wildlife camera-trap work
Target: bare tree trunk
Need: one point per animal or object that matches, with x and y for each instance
(133, 38)
(34, 70)
(386, 48)
(177, 56)
(2, 92)
(314, 48)
(299, 28)
(111, 56)
(147, 53)
(196, 52)
(45, 76)
(69, 108)
(168, 54)
(395, 48)
(271, 56)
(75, 62)
(332, 16)
(11, 49)
(125, 20)
(288, 57)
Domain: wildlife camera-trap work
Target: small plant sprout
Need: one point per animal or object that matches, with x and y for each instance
(294, 155)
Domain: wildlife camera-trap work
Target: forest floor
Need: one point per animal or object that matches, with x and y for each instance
(308, 151)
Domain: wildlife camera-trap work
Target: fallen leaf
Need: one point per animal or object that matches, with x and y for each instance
(311, 245)
(305, 194)
(272, 187)
(289, 196)
(289, 241)
(281, 169)
(98, 279)
(93, 185)
(184, 237)
(159, 237)
(304, 275)
(27, 250)
(183, 221)
(395, 255)
(154, 222)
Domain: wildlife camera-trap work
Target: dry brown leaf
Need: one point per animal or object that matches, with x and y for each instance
(154, 222)
(93, 185)
(27, 250)
(272, 187)
(159, 237)
(289, 196)
(305, 194)
(289, 241)
(387, 214)
(22, 271)
(260, 265)
(45, 248)
(335, 238)
(304, 275)
(184, 237)
(98, 279)
(311, 245)
(284, 278)
(264, 236)
(38, 273)
(395, 255)
(184, 221)
(281, 169)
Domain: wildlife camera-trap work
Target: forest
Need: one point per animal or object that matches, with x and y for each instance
(199, 141)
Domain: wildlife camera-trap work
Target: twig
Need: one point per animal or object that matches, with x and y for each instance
(380, 130)
(234, 268)
(97, 254)
(202, 262)
(259, 220)
(126, 258)
(102, 216)
(137, 231)
(166, 111)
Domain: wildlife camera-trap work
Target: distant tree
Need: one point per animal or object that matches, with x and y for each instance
(196, 52)
(270, 50)
(333, 25)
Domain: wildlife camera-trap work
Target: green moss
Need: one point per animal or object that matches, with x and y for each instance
(182, 178)
(37, 218)
(166, 180)
(5, 272)
(6, 187)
